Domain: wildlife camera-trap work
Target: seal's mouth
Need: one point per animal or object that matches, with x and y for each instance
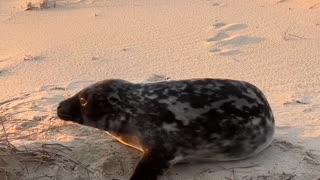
(64, 116)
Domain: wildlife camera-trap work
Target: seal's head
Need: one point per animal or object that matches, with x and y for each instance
(90, 107)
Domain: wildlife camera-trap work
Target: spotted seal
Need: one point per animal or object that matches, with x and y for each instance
(208, 119)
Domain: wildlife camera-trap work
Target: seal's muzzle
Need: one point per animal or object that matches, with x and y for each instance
(69, 110)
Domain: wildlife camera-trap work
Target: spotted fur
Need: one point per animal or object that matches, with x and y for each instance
(203, 119)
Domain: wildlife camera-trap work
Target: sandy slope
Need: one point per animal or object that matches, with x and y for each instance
(47, 55)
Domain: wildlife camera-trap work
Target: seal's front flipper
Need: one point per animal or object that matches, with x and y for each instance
(152, 165)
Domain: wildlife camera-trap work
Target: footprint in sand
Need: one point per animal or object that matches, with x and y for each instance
(226, 42)
(225, 52)
(305, 103)
(219, 37)
(308, 104)
(215, 3)
(239, 41)
(3, 72)
(218, 25)
(233, 27)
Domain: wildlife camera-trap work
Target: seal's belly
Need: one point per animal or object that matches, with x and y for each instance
(222, 148)
(128, 140)
(214, 154)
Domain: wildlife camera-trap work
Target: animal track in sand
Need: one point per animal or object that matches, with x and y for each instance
(4, 68)
(215, 3)
(308, 104)
(9, 64)
(226, 42)
(239, 40)
(281, 1)
(218, 25)
(219, 37)
(233, 27)
(3, 72)
(225, 52)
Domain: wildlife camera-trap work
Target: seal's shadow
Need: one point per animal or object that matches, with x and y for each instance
(281, 160)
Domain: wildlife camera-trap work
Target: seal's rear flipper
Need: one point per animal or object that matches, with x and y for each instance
(152, 165)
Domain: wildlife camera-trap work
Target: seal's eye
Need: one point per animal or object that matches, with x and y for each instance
(83, 102)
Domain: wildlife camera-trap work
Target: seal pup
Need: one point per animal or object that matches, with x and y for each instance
(206, 119)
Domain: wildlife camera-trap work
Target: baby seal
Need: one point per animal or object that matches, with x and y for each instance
(206, 119)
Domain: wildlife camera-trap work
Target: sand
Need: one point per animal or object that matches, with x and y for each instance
(49, 54)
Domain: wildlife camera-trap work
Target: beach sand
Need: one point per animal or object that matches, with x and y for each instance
(46, 55)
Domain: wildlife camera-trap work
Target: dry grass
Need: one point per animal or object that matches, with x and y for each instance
(314, 6)
(39, 4)
(289, 36)
(15, 162)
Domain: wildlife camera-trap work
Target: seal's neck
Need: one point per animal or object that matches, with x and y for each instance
(128, 140)
(119, 128)
(118, 124)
